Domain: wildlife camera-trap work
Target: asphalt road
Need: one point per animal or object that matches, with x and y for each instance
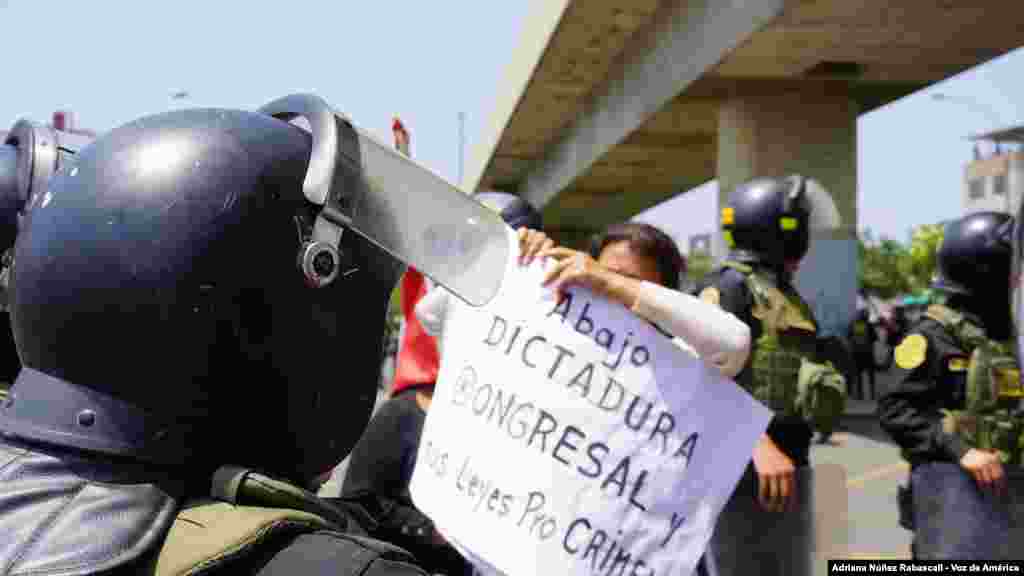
(874, 470)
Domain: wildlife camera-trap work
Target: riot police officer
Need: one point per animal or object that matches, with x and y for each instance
(767, 223)
(180, 295)
(956, 412)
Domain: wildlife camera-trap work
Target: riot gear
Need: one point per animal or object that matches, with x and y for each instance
(515, 211)
(972, 264)
(180, 296)
(974, 256)
(29, 155)
(956, 413)
(769, 220)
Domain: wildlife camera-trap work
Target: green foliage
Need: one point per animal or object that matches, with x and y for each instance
(924, 245)
(889, 268)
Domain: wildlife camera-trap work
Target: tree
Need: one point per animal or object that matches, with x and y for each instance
(924, 244)
(882, 268)
(889, 268)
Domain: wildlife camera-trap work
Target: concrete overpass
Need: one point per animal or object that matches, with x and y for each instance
(610, 107)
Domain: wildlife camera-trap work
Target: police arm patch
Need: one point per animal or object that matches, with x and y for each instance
(711, 295)
(911, 352)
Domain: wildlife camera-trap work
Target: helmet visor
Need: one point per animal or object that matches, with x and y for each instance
(822, 213)
(428, 223)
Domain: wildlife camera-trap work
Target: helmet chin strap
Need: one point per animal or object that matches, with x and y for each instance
(989, 308)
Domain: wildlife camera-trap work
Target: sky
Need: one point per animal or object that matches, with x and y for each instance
(112, 61)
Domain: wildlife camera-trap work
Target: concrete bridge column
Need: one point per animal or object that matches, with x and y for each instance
(810, 131)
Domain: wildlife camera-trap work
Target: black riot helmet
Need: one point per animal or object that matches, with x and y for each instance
(209, 287)
(769, 220)
(515, 211)
(974, 257)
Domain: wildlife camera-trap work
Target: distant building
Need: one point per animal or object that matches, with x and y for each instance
(995, 183)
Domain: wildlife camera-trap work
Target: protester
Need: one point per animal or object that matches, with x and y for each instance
(639, 267)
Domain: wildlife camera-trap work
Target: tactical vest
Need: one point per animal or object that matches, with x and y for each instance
(249, 509)
(783, 373)
(991, 417)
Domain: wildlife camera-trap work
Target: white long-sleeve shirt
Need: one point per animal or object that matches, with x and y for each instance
(700, 328)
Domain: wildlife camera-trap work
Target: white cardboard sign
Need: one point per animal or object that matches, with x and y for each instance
(575, 438)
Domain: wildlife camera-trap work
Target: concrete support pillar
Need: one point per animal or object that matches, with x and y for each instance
(810, 131)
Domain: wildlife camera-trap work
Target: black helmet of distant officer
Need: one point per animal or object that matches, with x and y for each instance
(515, 211)
(973, 263)
(769, 221)
(174, 300)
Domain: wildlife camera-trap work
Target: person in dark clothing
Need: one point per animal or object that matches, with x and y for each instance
(956, 412)
(863, 337)
(378, 479)
(381, 465)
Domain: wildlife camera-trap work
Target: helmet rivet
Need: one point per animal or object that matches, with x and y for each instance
(319, 262)
(86, 418)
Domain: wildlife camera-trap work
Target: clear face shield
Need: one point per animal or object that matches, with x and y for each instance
(811, 196)
(404, 208)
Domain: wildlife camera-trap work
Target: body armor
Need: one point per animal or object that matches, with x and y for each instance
(783, 372)
(991, 416)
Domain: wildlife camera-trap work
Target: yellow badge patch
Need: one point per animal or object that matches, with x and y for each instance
(711, 295)
(957, 364)
(728, 216)
(1008, 382)
(911, 352)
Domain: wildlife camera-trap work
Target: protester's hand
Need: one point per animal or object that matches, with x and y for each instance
(986, 468)
(776, 477)
(531, 244)
(575, 268)
(436, 539)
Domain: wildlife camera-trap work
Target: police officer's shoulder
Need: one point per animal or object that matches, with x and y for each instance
(928, 341)
(721, 279)
(732, 282)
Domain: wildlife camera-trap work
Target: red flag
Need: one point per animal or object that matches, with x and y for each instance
(401, 136)
(418, 359)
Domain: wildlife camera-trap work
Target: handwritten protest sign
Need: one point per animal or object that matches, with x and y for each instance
(575, 438)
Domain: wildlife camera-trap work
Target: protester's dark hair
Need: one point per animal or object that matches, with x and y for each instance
(648, 241)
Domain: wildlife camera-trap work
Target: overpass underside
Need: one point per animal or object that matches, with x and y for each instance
(622, 104)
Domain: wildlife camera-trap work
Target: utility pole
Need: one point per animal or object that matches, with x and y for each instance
(462, 143)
